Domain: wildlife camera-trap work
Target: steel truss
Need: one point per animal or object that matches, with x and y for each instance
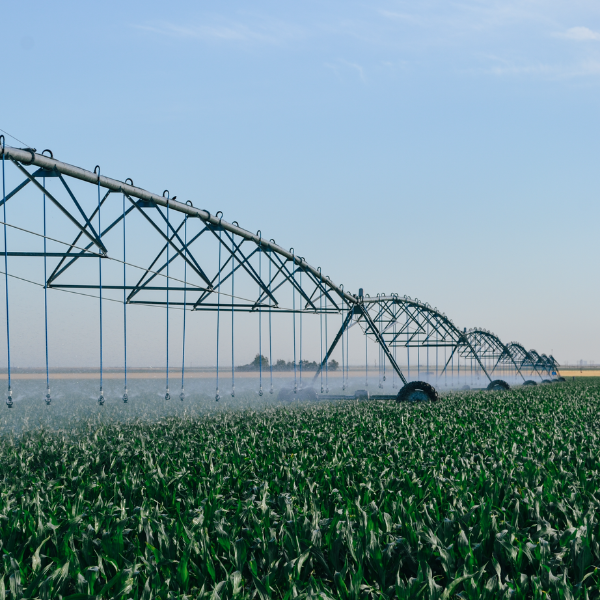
(267, 275)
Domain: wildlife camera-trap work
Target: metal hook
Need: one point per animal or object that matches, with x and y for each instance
(3, 143)
(48, 150)
(130, 180)
(32, 152)
(189, 203)
(235, 223)
(219, 212)
(97, 173)
(168, 194)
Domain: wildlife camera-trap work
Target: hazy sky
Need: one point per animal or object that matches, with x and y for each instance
(443, 150)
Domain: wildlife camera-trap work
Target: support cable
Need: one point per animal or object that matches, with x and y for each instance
(47, 397)
(105, 257)
(9, 399)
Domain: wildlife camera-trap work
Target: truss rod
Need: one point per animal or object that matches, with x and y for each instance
(30, 157)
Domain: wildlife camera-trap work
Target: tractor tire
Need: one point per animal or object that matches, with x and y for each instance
(498, 386)
(559, 380)
(545, 382)
(417, 391)
(529, 382)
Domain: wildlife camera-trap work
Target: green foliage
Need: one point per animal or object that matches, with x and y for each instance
(481, 495)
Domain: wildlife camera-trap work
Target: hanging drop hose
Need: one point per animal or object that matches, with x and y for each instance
(301, 310)
(260, 358)
(9, 399)
(321, 323)
(348, 357)
(382, 352)
(182, 393)
(270, 336)
(326, 350)
(217, 395)
(125, 393)
(232, 313)
(407, 351)
(366, 355)
(167, 394)
(294, 314)
(47, 397)
(101, 398)
(379, 346)
(342, 340)
(395, 353)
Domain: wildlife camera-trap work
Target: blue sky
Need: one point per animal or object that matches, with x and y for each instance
(443, 150)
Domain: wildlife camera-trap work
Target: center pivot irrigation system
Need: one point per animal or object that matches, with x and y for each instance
(196, 261)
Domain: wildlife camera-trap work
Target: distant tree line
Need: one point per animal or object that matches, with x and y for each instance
(282, 365)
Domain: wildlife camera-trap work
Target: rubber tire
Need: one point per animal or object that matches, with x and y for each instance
(498, 386)
(411, 387)
(559, 380)
(465, 387)
(530, 382)
(545, 381)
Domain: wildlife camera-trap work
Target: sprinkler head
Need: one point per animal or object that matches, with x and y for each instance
(167, 395)
(125, 397)
(233, 391)
(271, 390)
(384, 377)
(182, 395)
(321, 389)
(9, 400)
(47, 398)
(101, 399)
(327, 390)
(260, 392)
(217, 397)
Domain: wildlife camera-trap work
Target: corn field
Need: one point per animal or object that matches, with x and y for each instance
(481, 495)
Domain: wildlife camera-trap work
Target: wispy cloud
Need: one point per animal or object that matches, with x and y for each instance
(340, 66)
(262, 31)
(580, 34)
(550, 71)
